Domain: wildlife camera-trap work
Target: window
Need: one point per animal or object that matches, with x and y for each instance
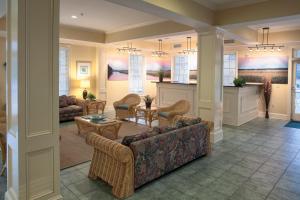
(182, 66)
(63, 71)
(136, 74)
(181, 69)
(230, 68)
(297, 53)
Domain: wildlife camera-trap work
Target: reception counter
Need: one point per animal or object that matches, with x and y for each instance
(167, 93)
(240, 105)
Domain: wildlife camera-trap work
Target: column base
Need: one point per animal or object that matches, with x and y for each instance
(216, 136)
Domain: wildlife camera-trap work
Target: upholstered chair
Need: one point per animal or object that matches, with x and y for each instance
(125, 108)
(166, 114)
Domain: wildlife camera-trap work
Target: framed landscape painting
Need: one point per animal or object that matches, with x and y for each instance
(83, 69)
(156, 64)
(117, 68)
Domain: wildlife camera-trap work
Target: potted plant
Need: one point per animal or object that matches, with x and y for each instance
(161, 75)
(267, 95)
(91, 96)
(239, 82)
(148, 101)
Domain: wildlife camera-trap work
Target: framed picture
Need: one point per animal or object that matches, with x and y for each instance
(83, 69)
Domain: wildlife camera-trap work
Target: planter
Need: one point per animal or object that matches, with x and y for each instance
(161, 79)
(148, 105)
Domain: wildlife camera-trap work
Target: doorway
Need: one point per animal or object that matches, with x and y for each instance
(296, 91)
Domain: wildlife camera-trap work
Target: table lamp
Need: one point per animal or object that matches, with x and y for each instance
(85, 84)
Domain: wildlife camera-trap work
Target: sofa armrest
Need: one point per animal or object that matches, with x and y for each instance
(112, 148)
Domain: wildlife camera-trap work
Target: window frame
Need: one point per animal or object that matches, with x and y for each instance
(174, 71)
(143, 73)
(236, 66)
(68, 66)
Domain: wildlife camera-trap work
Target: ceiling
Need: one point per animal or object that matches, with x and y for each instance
(223, 4)
(103, 16)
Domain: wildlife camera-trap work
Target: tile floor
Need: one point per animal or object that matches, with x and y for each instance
(258, 160)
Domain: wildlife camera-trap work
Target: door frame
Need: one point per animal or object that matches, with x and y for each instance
(295, 61)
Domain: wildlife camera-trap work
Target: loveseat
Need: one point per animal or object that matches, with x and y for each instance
(146, 156)
(70, 107)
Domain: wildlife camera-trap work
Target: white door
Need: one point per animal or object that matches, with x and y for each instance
(296, 92)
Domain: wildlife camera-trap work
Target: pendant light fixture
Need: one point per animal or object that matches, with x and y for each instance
(188, 49)
(129, 49)
(160, 51)
(265, 46)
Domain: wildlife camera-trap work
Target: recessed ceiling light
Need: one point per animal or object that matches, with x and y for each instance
(74, 17)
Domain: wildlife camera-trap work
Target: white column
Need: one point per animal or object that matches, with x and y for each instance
(210, 80)
(102, 72)
(32, 102)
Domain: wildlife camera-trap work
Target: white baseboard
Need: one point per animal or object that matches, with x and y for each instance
(10, 195)
(275, 115)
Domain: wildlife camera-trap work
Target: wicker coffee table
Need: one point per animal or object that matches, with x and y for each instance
(148, 114)
(108, 128)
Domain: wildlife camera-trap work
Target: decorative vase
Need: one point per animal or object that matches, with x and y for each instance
(267, 114)
(84, 94)
(148, 105)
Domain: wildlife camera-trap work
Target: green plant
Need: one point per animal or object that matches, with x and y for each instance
(161, 75)
(148, 99)
(91, 96)
(239, 82)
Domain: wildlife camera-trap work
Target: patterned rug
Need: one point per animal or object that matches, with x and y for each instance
(74, 150)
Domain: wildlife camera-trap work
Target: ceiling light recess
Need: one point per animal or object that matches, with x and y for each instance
(159, 52)
(74, 17)
(265, 46)
(129, 49)
(188, 49)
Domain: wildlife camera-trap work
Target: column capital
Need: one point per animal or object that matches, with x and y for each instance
(210, 31)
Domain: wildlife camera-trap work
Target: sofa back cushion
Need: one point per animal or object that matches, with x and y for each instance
(182, 121)
(127, 140)
(63, 101)
(71, 100)
(160, 154)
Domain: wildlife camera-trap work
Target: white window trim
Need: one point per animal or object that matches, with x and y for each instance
(173, 68)
(143, 74)
(236, 63)
(69, 65)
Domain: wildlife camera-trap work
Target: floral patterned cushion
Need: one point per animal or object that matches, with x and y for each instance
(71, 100)
(63, 102)
(162, 153)
(127, 140)
(185, 121)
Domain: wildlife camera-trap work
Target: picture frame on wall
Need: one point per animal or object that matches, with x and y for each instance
(83, 69)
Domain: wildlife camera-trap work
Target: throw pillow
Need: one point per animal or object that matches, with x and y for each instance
(187, 122)
(63, 101)
(127, 140)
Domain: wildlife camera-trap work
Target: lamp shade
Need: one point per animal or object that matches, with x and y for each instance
(85, 84)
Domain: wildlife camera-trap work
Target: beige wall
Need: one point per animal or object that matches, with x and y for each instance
(2, 72)
(115, 90)
(81, 53)
(280, 102)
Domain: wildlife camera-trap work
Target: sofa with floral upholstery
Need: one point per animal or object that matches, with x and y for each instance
(144, 157)
(70, 107)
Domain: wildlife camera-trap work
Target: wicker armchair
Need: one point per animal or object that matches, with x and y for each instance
(166, 115)
(113, 163)
(125, 108)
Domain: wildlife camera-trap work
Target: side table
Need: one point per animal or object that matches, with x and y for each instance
(93, 107)
(148, 114)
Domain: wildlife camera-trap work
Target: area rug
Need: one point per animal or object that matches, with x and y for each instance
(293, 124)
(74, 150)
